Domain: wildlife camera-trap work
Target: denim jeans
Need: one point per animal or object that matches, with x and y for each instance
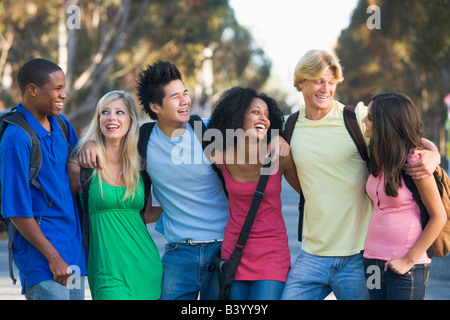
(314, 277)
(52, 290)
(185, 272)
(256, 290)
(388, 285)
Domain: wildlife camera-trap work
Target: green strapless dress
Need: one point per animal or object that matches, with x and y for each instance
(123, 261)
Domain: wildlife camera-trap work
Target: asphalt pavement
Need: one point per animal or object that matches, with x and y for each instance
(438, 285)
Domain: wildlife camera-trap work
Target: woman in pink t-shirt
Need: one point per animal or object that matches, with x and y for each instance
(253, 118)
(396, 263)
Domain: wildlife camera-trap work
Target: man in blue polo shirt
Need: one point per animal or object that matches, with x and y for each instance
(47, 241)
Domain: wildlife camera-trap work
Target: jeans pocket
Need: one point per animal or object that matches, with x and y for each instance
(171, 247)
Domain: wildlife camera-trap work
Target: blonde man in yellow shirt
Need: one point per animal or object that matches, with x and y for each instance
(333, 179)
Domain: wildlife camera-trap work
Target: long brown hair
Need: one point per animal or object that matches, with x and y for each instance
(396, 128)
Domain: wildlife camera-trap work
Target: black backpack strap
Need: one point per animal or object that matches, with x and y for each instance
(10, 252)
(18, 120)
(288, 130)
(192, 120)
(64, 129)
(144, 135)
(36, 153)
(85, 180)
(409, 182)
(4, 222)
(290, 125)
(355, 131)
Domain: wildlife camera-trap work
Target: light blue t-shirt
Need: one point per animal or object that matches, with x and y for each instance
(187, 188)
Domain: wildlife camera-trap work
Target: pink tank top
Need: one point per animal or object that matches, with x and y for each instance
(266, 254)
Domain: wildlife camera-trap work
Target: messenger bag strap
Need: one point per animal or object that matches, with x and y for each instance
(257, 198)
(229, 268)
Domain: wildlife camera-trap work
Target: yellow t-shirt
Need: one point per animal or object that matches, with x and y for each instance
(333, 178)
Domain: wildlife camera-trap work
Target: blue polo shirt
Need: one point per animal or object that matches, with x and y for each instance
(60, 222)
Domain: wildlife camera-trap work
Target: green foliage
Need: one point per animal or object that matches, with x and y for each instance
(408, 54)
(117, 39)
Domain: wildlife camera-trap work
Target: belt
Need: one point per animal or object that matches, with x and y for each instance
(190, 241)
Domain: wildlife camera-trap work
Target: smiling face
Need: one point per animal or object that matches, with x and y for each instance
(115, 120)
(256, 119)
(49, 99)
(318, 93)
(174, 111)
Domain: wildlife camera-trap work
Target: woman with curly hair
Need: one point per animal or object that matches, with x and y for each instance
(248, 121)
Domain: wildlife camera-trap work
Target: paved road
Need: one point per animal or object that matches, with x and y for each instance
(438, 286)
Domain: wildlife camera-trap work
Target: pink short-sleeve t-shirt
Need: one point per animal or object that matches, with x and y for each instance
(395, 222)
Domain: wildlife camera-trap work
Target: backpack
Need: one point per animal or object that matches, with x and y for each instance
(353, 129)
(83, 203)
(441, 246)
(15, 118)
(144, 135)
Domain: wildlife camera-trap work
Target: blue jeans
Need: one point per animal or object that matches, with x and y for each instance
(256, 290)
(314, 277)
(185, 272)
(388, 285)
(52, 290)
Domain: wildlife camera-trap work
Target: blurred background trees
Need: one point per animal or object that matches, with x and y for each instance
(410, 53)
(118, 38)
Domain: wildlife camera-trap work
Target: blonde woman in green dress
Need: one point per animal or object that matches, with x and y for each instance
(123, 261)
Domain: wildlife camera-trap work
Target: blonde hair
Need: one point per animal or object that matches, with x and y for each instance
(131, 161)
(313, 64)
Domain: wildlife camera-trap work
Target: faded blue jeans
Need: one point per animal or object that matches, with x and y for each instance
(52, 290)
(388, 285)
(314, 277)
(185, 271)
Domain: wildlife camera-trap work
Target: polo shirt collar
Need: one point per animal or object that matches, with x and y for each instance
(35, 124)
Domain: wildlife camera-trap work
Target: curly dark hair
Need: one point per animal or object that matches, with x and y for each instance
(150, 84)
(229, 111)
